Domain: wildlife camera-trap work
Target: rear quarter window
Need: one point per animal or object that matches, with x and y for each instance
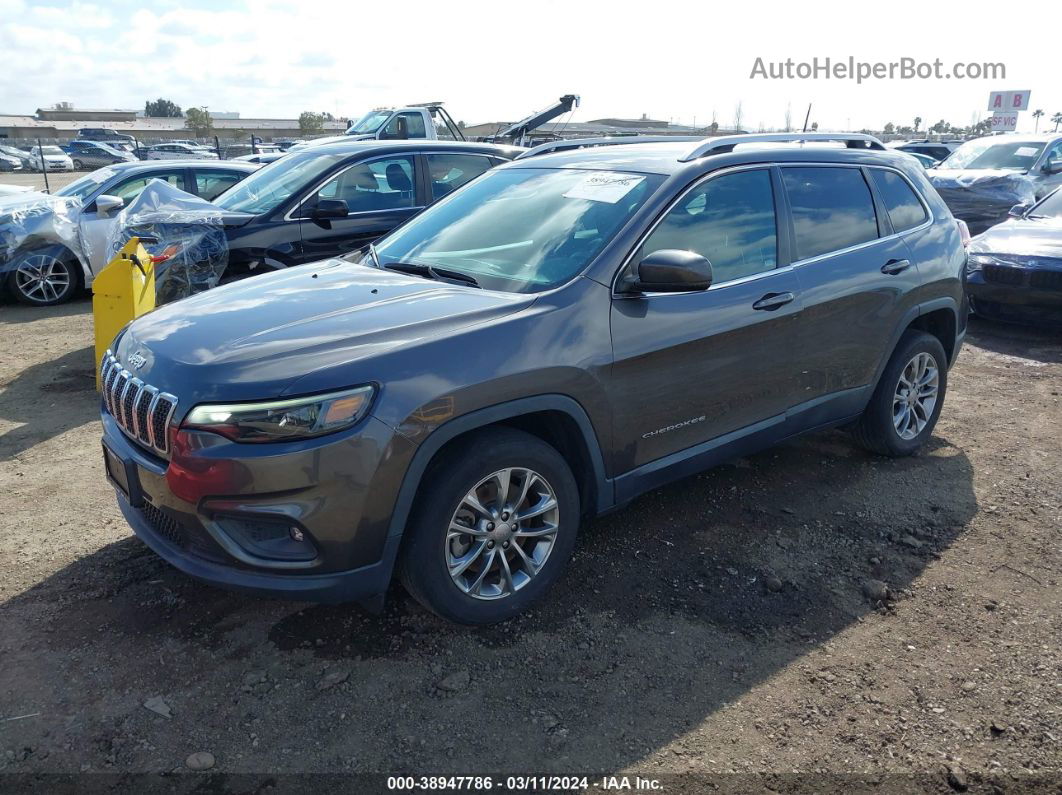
(904, 207)
(832, 209)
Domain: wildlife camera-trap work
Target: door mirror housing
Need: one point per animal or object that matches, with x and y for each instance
(1053, 167)
(106, 204)
(1018, 210)
(328, 209)
(670, 270)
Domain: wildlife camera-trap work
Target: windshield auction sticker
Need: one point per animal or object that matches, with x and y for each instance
(604, 186)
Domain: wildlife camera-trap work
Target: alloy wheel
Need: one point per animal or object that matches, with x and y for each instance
(43, 278)
(915, 396)
(502, 533)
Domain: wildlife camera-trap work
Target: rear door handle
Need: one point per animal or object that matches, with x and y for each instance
(773, 301)
(894, 266)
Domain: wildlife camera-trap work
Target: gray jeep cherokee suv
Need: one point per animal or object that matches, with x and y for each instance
(557, 337)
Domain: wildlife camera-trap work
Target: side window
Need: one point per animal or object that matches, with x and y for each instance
(131, 188)
(366, 187)
(729, 220)
(832, 209)
(211, 184)
(449, 172)
(414, 126)
(905, 210)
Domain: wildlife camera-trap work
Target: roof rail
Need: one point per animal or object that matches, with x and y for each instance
(612, 140)
(726, 143)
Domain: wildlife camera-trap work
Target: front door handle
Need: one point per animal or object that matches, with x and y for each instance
(894, 266)
(773, 301)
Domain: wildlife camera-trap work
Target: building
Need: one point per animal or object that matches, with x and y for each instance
(61, 124)
(597, 128)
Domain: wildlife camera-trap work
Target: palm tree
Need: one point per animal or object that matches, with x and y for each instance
(1036, 114)
(1057, 119)
(918, 120)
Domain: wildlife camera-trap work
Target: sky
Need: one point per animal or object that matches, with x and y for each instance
(687, 62)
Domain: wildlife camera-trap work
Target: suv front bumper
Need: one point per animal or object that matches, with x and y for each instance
(335, 492)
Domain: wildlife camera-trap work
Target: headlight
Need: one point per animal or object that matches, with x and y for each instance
(283, 420)
(975, 262)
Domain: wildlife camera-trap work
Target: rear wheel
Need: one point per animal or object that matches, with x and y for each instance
(908, 399)
(44, 277)
(493, 528)
(78, 165)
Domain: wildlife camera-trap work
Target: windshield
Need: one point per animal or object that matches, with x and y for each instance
(369, 123)
(995, 153)
(84, 187)
(268, 188)
(1051, 207)
(51, 150)
(521, 230)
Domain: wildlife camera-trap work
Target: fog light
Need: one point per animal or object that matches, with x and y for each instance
(296, 534)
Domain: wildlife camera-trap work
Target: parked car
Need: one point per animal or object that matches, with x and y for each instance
(9, 162)
(42, 269)
(51, 157)
(173, 151)
(105, 134)
(985, 177)
(926, 161)
(262, 157)
(1015, 268)
(232, 151)
(330, 200)
(18, 154)
(544, 344)
(938, 150)
(87, 155)
(428, 122)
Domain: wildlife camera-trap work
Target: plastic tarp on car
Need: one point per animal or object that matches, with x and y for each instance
(982, 197)
(186, 235)
(32, 222)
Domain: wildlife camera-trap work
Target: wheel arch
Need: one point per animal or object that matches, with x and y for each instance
(939, 317)
(556, 419)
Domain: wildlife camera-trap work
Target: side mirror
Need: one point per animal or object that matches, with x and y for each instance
(1018, 210)
(106, 204)
(328, 209)
(1053, 167)
(671, 271)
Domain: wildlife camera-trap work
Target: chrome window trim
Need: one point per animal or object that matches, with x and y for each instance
(930, 219)
(413, 164)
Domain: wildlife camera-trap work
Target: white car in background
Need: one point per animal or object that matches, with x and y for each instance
(174, 151)
(51, 157)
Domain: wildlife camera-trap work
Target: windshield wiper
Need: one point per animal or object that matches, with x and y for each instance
(374, 255)
(432, 272)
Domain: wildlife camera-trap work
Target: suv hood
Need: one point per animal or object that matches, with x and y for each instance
(256, 338)
(1022, 237)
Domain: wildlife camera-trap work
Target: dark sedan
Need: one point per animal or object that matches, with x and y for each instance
(335, 198)
(1015, 268)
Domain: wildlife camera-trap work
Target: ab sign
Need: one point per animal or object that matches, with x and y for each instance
(1005, 106)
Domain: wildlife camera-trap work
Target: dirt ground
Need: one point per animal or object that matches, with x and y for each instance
(722, 632)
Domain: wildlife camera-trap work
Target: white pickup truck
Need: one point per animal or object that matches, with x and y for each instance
(427, 121)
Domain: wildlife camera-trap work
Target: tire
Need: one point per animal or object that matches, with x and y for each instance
(431, 552)
(885, 427)
(78, 165)
(44, 276)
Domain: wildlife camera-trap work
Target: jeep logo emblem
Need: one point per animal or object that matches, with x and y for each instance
(137, 360)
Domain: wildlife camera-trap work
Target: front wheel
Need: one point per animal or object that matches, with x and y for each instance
(494, 526)
(908, 398)
(44, 277)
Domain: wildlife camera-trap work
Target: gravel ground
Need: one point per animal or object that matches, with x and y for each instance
(811, 608)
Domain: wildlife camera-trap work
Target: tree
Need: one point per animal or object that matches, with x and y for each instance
(714, 127)
(890, 128)
(737, 117)
(162, 108)
(310, 122)
(814, 126)
(1057, 119)
(788, 117)
(917, 120)
(1036, 114)
(199, 121)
